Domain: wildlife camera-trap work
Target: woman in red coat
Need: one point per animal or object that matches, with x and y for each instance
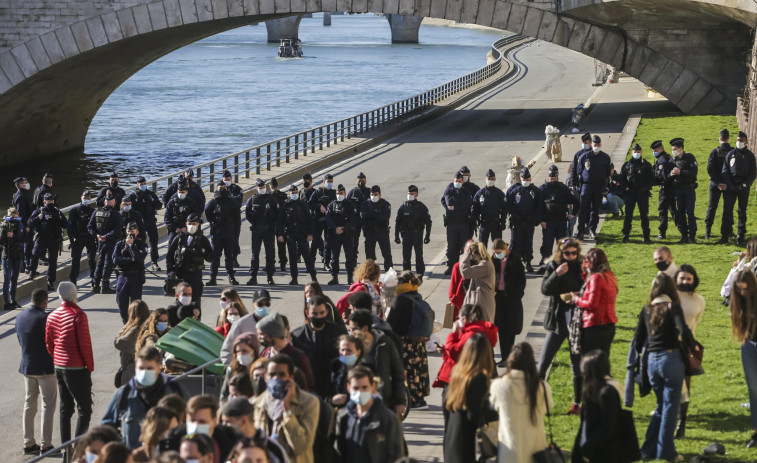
(597, 299)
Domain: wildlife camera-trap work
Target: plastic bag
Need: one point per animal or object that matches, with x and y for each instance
(389, 279)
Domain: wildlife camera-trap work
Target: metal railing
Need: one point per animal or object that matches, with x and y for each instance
(68, 447)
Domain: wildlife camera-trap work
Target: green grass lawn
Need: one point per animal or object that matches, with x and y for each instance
(716, 411)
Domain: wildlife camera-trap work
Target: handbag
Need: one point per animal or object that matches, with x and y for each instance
(551, 454)
(117, 377)
(487, 434)
(449, 315)
(692, 358)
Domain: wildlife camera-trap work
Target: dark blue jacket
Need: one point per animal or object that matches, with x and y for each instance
(341, 214)
(223, 213)
(636, 176)
(594, 169)
(489, 205)
(662, 167)
(739, 170)
(146, 203)
(112, 228)
(461, 200)
(412, 215)
(30, 329)
(376, 216)
(715, 164)
(556, 197)
(524, 203)
(689, 168)
(575, 179)
(128, 217)
(117, 192)
(22, 201)
(177, 211)
(294, 218)
(78, 221)
(130, 260)
(262, 210)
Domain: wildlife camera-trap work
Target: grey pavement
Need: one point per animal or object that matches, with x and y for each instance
(484, 133)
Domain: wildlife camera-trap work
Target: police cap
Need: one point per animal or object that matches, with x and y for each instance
(459, 175)
(677, 142)
(274, 182)
(586, 137)
(260, 295)
(141, 180)
(307, 176)
(19, 180)
(182, 186)
(48, 197)
(259, 183)
(636, 147)
(725, 134)
(226, 173)
(412, 189)
(525, 173)
(596, 139)
(47, 175)
(361, 175)
(553, 170)
(292, 188)
(86, 194)
(340, 187)
(375, 189)
(132, 226)
(194, 218)
(490, 173)
(189, 173)
(113, 175)
(127, 199)
(329, 177)
(656, 144)
(465, 170)
(742, 135)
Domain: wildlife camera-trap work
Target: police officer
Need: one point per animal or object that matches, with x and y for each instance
(457, 203)
(557, 198)
(375, 215)
(47, 187)
(489, 209)
(594, 171)
(177, 210)
(739, 172)
(187, 254)
(224, 216)
(146, 202)
(340, 220)
(235, 192)
(129, 256)
(294, 227)
(358, 196)
(524, 203)
(468, 186)
(105, 226)
(47, 224)
(307, 188)
(280, 197)
(129, 215)
(575, 179)
(684, 175)
(12, 238)
(22, 201)
(412, 217)
(193, 191)
(79, 236)
(636, 179)
(115, 190)
(319, 200)
(717, 186)
(261, 211)
(667, 195)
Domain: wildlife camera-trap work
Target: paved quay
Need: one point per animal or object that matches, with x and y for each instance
(484, 133)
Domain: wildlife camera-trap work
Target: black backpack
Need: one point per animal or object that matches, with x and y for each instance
(422, 319)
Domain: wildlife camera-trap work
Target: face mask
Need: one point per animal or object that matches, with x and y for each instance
(185, 300)
(197, 428)
(192, 229)
(161, 326)
(261, 191)
(465, 178)
(114, 183)
(500, 255)
(224, 304)
(307, 183)
(411, 197)
(244, 359)
(25, 186)
(740, 145)
(142, 187)
(317, 322)
(277, 388)
(182, 195)
(361, 183)
(662, 266)
(232, 318)
(192, 460)
(85, 202)
(227, 182)
(127, 208)
(636, 155)
(348, 360)
(686, 288)
(294, 196)
(258, 385)
(146, 377)
(329, 185)
(457, 185)
(263, 311)
(90, 457)
(595, 149)
(375, 198)
(675, 152)
(340, 197)
(584, 146)
(656, 154)
(307, 300)
(360, 397)
(526, 183)
(490, 183)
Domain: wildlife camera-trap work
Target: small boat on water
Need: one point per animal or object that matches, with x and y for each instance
(290, 48)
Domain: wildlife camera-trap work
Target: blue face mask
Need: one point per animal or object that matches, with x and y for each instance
(127, 208)
(329, 185)
(294, 196)
(500, 255)
(360, 397)
(457, 185)
(182, 195)
(143, 187)
(656, 154)
(262, 311)
(348, 360)
(85, 202)
(90, 457)
(146, 377)
(197, 428)
(277, 388)
(161, 326)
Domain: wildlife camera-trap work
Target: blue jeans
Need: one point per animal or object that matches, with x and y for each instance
(666, 372)
(749, 361)
(11, 267)
(613, 204)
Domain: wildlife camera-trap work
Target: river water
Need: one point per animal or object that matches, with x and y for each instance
(229, 92)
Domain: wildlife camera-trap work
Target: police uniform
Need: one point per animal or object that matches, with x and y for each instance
(667, 194)
(236, 193)
(341, 214)
(106, 222)
(412, 217)
(261, 211)
(294, 223)
(318, 202)
(556, 200)
(147, 203)
(47, 225)
(739, 173)
(574, 180)
(636, 179)
(224, 216)
(130, 260)
(12, 249)
(22, 201)
(715, 171)
(280, 197)
(359, 195)
(186, 257)
(375, 217)
(177, 211)
(80, 238)
(489, 210)
(685, 186)
(593, 170)
(131, 215)
(468, 186)
(194, 191)
(457, 204)
(524, 203)
(114, 189)
(39, 194)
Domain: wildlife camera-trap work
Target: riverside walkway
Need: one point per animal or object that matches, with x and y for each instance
(482, 133)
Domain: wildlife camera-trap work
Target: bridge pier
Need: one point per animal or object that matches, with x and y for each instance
(283, 28)
(404, 28)
(326, 19)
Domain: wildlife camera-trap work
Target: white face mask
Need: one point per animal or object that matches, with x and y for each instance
(740, 145)
(261, 191)
(182, 195)
(25, 186)
(192, 229)
(675, 152)
(244, 359)
(411, 197)
(526, 183)
(232, 318)
(585, 146)
(185, 300)
(340, 197)
(224, 304)
(490, 183)
(375, 198)
(595, 149)
(465, 178)
(636, 155)
(90, 457)
(227, 182)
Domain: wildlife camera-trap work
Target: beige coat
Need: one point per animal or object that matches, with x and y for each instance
(296, 433)
(519, 438)
(481, 290)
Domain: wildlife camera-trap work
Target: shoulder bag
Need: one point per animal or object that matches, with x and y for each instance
(487, 434)
(551, 454)
(692, 353)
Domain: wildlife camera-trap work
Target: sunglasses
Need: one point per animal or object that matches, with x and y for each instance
(570, 253)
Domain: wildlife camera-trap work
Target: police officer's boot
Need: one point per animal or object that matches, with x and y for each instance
(293, 281)
(334, 281)
(253, 280)
(106, 288)
(647, 239)
(707, 232)
(233, 281)
(314, 277)
(448, 271)
(270, 280)
(95, 286)
(50, 286)
(740, 241)
(529, 267)
(723, 240)
(625, 238)
(211, 282)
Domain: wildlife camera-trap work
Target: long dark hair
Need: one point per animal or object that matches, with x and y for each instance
(662, 285)
(743, 313)
(522, 358)
(595, 366)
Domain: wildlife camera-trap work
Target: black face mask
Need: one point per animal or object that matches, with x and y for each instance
(307, 183)
(662, 266)
(114, 183)
(317, 322)
(686, 287)
(258, 385)
(222, 193)
(361, 183)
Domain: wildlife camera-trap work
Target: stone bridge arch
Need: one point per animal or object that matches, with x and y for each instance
(52, 85)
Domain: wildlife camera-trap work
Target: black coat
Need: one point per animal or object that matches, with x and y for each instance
(553, 285)
(509, 307)
(600, 420)
(321, 347)
(460, 434)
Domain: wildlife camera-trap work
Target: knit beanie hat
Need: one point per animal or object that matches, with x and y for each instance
(272, 325)
(67, 291)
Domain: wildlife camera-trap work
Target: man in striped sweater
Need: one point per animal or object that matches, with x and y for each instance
(68, 342)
